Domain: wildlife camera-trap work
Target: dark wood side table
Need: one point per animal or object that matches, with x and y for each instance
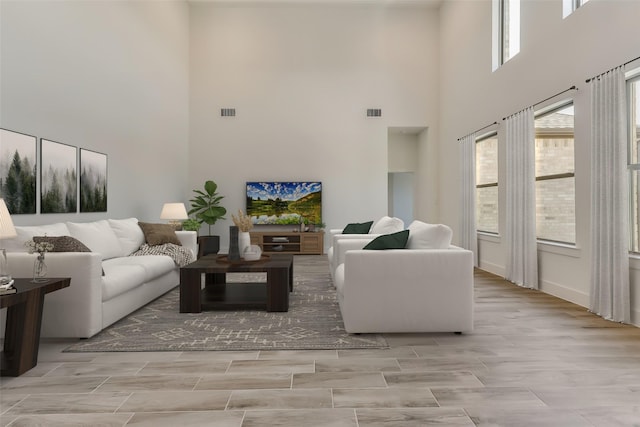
(24, 320)
(218, 295)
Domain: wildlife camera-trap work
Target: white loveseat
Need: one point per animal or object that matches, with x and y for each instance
(95, 299)
(404, 290)
(384, 225)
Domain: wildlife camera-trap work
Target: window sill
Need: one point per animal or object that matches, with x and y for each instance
(565, 249)
(634, 260)
(488, 237)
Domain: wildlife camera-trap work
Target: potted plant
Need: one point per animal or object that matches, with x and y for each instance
(191, 225)
(205, 207)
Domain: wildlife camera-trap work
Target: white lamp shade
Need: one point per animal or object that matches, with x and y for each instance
(174, 211)
(7, 229)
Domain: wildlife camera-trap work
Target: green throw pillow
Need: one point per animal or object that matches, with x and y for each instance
(389, 241)
(358, 228)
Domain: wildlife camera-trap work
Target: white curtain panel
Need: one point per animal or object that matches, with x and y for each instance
(609, 203)
(520, 235)
(468, 234)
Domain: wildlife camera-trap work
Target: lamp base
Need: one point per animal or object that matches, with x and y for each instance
(177, 225)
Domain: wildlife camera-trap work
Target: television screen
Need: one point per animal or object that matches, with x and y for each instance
(284, 203)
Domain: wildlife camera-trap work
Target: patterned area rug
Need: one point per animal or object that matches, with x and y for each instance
(312, 322)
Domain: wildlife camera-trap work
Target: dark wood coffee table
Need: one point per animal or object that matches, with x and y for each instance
(24, 320)
(220, 295)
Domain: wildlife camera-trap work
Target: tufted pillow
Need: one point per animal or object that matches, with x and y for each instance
(389, 241)
(158, 234)
(97, 236)
(387, 225)
(429, 236)
(63, 243)
(357, 228)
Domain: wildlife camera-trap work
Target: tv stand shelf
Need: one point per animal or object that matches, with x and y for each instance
(291, 242)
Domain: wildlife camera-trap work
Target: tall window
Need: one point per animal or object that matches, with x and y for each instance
(633, 97)
(569, 6)
(506, 29)
(555, 181)
(487, 183)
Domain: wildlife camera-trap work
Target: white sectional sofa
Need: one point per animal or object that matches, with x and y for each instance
(107, 283)
(416, 289)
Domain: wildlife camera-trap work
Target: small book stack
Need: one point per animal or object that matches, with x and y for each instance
(7, 288)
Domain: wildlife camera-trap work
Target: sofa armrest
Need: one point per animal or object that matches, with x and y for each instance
(189, 239)
(435, 282)
(334, 231)
(75, 311)
(341, 247)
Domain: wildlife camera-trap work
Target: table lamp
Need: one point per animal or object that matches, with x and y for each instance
(174, 212)
(7, 230)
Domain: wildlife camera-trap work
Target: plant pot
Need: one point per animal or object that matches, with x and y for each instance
(208, 245)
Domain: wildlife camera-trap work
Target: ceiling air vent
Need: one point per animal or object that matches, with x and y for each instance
(228, 112)
(374, 112)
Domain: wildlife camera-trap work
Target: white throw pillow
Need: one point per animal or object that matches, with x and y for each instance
(429, 236)
(387, 225)
(129, 234)
(97, 236)
(26, 233)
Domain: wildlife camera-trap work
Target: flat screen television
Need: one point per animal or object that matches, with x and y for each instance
(283, 203)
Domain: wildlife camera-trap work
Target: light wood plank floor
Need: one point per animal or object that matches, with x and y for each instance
(533, 360)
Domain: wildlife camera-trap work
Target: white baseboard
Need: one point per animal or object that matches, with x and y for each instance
(567, 294)
(635, 318)
(496, 269)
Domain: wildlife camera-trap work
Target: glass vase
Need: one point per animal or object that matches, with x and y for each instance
(39, 269)
(5, 277)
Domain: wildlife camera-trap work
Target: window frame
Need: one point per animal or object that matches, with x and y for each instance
(570, 6)
(634, 220)
(502, 20)
(539, 114)
(479, 139)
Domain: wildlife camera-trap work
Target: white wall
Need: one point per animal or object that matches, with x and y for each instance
(301, 79)
(108, 76)
(555, 54)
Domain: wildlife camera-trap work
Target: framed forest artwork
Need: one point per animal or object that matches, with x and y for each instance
(58, 177)
(18, 171)
(93, 181)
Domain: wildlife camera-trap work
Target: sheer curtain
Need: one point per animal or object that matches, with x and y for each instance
(609, 204)
(520, 235)
(468, 237)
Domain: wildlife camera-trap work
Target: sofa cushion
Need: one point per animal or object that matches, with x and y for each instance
(387, 225)
(125, 273)
(129, 234)
(389, 241)
(429, 236)
(153, 265)
(119, 279)
(357, 228)
(26, 233)
(158, 234)
(98, 236)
